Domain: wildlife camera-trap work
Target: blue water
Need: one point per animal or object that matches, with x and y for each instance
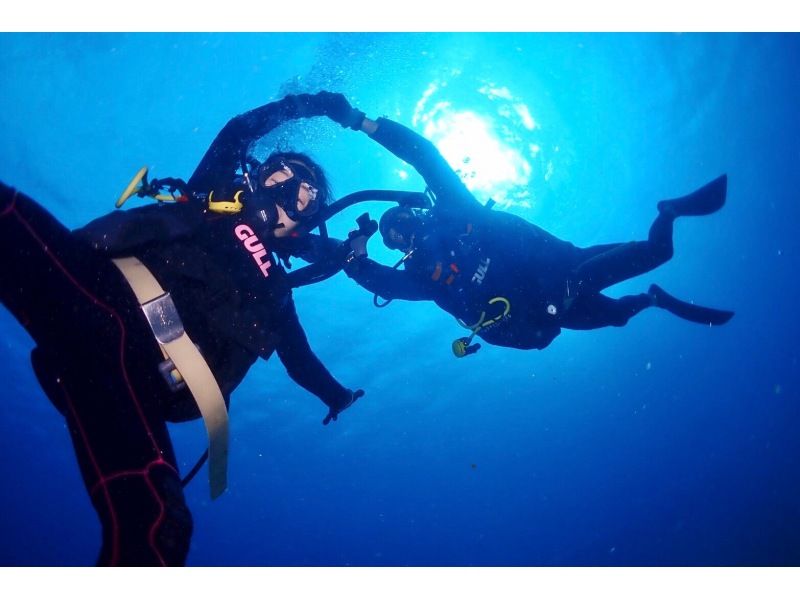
(660, 443)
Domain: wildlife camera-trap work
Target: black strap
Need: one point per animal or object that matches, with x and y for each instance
(193, 472)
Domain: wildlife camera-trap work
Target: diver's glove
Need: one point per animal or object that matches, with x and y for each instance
(333, 412)
(336, 107)
(357, 239)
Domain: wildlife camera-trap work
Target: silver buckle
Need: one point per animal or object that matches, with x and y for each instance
(162, 315)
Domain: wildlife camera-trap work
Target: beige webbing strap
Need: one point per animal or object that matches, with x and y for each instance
(168, 330)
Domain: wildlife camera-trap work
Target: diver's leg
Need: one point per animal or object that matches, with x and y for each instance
(587, 253)
(125, 455)
(38, 261)
(588, 312)
(627, 260)
(98, 363)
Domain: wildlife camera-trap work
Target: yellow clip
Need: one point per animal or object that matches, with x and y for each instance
(506, 309)
(226, 207)
(460, 345)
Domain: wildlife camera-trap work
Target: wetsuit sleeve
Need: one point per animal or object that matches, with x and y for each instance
(326, 257)
(451, 193)
(303, 366)
(123, 231)
(229, 148)
(316, 272)
(389, 283)
(311, 247)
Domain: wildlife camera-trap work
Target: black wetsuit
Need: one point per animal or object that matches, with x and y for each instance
(484, 266)
(96, 356)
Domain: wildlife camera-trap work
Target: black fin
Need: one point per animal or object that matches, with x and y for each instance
(706, 200)
(688, 311)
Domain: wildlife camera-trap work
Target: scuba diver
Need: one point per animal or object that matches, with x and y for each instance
(155, 314)
(508, 281)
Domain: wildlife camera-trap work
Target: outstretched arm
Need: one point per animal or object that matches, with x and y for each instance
(305, 368)
(228, 149)
(389, 283)
(326, 257)
(449, 190)
(451, 193)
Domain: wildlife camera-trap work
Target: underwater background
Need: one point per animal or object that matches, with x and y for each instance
(660, 443)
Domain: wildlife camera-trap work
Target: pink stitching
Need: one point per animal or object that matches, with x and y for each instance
(113, 313)
(104, 480)
(10, 207)
(115, 524)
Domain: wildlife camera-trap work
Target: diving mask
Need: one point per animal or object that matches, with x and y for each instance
(290, 185)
